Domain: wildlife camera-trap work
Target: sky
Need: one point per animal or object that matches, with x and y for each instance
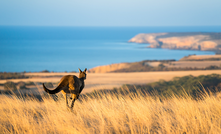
(110, 12)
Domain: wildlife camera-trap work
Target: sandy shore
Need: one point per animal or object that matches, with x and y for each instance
(96, 81)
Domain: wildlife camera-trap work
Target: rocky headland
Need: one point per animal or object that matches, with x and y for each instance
(208, 41)
(202, 41)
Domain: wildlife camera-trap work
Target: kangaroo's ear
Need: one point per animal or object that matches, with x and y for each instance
(80, 70)
(85, 70)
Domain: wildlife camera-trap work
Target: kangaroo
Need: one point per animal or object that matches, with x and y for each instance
(70, 84)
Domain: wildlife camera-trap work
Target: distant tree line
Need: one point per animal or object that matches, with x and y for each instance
(9, 85)
(16, 75)
(5, 75)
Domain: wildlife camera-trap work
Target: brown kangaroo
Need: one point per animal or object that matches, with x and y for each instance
(70, 84)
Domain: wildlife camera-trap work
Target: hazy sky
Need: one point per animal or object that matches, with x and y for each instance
(110, 12)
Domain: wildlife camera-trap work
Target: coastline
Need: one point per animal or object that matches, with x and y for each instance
(191, 62)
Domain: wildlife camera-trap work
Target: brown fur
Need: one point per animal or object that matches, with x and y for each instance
(70, 84)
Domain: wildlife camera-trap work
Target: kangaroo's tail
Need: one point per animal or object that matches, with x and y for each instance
(56, 90)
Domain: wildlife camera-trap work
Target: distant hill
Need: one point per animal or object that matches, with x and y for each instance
(204, 41)
(191, 62)
(201, 58)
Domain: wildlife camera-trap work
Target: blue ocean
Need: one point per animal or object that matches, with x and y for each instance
(59, 49)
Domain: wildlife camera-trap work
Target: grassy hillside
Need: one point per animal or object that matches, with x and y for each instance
(143, 67)
(186, 63)
(193, 86)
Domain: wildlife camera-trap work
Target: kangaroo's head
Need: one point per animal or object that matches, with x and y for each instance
(82, 74)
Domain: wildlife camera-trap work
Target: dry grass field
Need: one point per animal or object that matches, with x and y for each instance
(96, 81)
(106, 114)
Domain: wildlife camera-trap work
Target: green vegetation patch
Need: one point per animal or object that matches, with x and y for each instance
(180, 86)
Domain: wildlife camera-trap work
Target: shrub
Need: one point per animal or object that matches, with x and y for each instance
(45, 71)
(5, 75)
(30, 83)
(22, 85)
(10, 86)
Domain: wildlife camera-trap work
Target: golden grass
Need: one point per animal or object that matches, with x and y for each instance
(111, 114)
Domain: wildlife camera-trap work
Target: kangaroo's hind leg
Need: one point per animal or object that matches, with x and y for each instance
(66, 100)
(74, 97)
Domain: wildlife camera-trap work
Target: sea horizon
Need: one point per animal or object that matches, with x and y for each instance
(60, 49)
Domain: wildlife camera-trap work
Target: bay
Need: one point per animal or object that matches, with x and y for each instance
(60, 49)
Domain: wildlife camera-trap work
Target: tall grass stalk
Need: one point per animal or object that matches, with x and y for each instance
(111, 113)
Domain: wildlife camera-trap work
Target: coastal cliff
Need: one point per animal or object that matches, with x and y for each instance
(187, 41)
(109, 68)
